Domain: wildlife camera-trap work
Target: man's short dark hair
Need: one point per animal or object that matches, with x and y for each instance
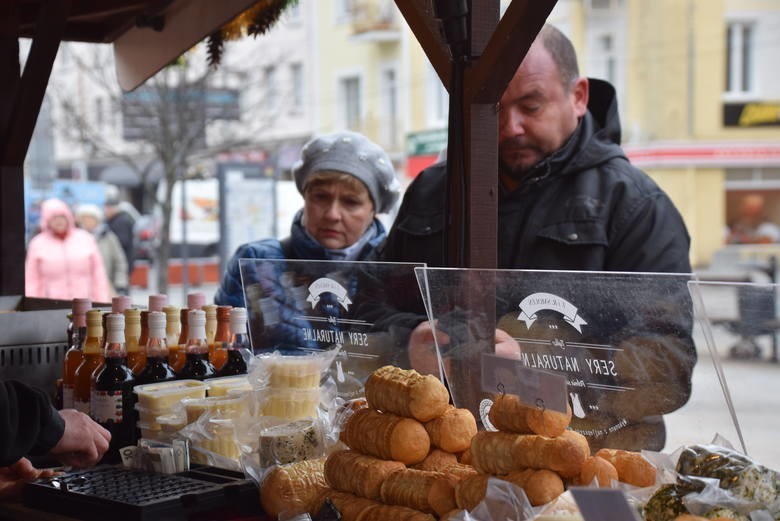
(562, 52)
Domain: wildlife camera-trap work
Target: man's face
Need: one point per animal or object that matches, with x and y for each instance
(537, 114)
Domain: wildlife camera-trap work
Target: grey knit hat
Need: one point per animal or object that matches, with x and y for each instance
(353, 154)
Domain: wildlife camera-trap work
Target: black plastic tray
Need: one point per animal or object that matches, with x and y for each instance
(119, 494)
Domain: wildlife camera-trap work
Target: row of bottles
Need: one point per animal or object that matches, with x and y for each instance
(100, 370)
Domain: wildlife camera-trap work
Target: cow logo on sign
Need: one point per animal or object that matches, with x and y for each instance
(326, 285)
(533, 304)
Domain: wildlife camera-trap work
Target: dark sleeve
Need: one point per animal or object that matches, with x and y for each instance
(29, 424)
(651, 237)
(122, 226)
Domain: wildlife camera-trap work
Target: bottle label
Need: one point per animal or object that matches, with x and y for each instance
(106, 406)
(67, 396)
(81, 406)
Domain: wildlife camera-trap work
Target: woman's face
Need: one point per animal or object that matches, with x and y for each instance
(58, 224)
(337, 214)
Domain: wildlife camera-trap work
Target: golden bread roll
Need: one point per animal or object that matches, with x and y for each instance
(453, 430)
(437, 459)
(601, 470)
(563, 454)
(470, 491)
(294, 488)
(491, 452)
(510, 414)
(632, 467)
(358, 474)
(395, 513)
(465, 457)
(422, 490)
(540, 486)
(386, 436)
(458, 471)
(406, 392)
(350, 506)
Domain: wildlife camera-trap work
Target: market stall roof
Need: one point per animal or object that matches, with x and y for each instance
(494, 49)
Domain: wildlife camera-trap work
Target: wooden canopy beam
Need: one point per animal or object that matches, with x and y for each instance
(19, 108)
(426, 29)
(507, 47)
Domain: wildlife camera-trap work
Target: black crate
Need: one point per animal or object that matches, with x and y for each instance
(121, 494)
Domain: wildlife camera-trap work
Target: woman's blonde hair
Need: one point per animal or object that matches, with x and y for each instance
(330, 177)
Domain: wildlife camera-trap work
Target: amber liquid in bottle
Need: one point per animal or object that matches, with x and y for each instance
(178, 356)
(112, 400)
(218, 353)
(92, 359)
(197, 365)
(157, 368)
(172, 326)
(75, 354)
(238, 347)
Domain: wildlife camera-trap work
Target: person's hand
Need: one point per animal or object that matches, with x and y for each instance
(83, 443)
(422, 348)
(14, 476)
(506, 346)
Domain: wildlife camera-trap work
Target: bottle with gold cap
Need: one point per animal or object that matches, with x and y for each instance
(157, 368)
(197, 365)
(211, 321)
(172, 325)
(133, 333)
(218, 347)
(111, 399)
(74, 355)
(178, 356)
(93, 358)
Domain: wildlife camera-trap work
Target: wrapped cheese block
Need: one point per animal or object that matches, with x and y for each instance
(453, 430)
(422, 490)
(295, 441)
(510, 414)
(406, 393)
(293, 489)
(350, 471)
(386, 436)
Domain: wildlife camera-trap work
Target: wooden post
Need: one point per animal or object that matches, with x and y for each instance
(20, 102)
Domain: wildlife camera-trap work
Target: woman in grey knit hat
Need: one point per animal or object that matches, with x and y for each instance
(345, 180)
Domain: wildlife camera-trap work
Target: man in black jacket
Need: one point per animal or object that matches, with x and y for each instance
(30, 426)
(122, 224)
(569, 200)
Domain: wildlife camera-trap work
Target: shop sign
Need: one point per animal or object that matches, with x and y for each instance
(757, 114)
(426, 142)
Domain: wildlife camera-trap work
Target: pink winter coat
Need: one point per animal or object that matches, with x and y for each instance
(64, 267)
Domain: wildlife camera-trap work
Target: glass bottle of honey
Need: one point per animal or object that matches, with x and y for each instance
(218, 347)
(93, 358)
(136, 357)
(75, 354)
(197, 365)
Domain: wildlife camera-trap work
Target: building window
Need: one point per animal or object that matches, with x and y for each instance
(604, 65)
(349, 102)
(296, 87)
(740, 49)
(389, 127)
(271, 88)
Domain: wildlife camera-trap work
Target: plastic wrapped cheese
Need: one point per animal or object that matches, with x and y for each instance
(224, 385)
(290, 404)
(162, 397)
(295, 441)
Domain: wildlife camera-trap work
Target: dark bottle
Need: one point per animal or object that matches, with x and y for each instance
(238, 348)
(111, 400)
(197, 365)
(157, 368)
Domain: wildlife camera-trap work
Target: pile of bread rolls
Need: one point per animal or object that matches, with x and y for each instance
(412, 456)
